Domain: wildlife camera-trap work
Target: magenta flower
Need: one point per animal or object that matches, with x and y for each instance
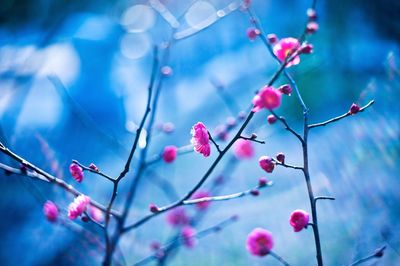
(266, 163)
(354, 109)
(187, 235)
(202, 194)
(78, 206)
(299, 219)
(200, 139)
(252, 33)
(177, 217)
(96, 214)
(243, 149)
(169, 154)
(267, 98)
(287, 47)
(50, 210)
(259, 242)
(76, 172)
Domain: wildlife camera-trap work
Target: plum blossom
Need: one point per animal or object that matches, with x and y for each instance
(200, 139)
(169, 154)
(243, 149)
(252, 33)
(285, 47)
(259, 242)
(50, 210)
(78, 206)
(268, 98)
(299, 219)
(76, 172)
(177, 217)
(266, 163)
(202, 194)
(187, 235)
(354, 109)
(96, 214)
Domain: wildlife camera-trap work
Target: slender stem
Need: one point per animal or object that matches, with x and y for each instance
(94, 171)
(340, 117)
(253, 139)
(323, 198)
(213, 141)
(288, 165)
(377, 254)
(279, 258)
(287, 127)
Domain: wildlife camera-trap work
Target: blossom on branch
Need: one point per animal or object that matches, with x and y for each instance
(78, 206)
(202, 194)
(285, 49)
(259, 242)
(299, 219)
(266, 163)
(200, 139)
(76, 172)
(50, 210)
(267, 98)
(243, 149)
(169, 154)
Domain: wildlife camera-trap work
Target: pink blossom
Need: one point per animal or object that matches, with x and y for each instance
(78, 206)
(268, 98)
(299, 219)
(50, 211)
(202, 194)
(200, 139)
(169, 154)
(243, 149)
(187, 235)
(259, 242)
(312, 27)
(76, 172)
(285, 47)
(285, 89)
(272, 38)
(153, 208)
(266, 163)
(177, 217)
(252, 33)
(96, 214)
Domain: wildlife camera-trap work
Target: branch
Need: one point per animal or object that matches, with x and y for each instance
(377, 254)
(213, 141)
(287, 127)
(177, 241)
(287, 165)
(340, 117)
(98, 172)
(253, 138)
(278, 258)
(181, 151)
(44, 176)
(323, 198)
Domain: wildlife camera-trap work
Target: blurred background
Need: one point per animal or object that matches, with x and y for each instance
(73, 85)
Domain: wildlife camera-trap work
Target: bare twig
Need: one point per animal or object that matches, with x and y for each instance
(377, 254)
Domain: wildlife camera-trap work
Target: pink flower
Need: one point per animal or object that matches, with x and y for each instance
(78, 206)
(50, 210)
(259, 242)
(177, 217)
(169, 154)
(202, 194)
(243, 149)
(252, 33)
(299, 219)
(76, 172)
(266, 163)
(96, 214)
(285, 47)
(200, 139)
(268, 98)
(187, 235)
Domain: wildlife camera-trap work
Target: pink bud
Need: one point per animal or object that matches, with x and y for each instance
(299, 219)
(177, 217)
(153, 208)
(306, 49)
(202, 194)
(252, 33)
(155, 245)
(354, 109)
(312, 27)
(93, 167)
(280, 157)
(76, 172)
(312, 14)
(50, 210)
(169, 154)
(166, 71)
(243, 149)
(168, 127)
(271, 119)
(221, 132)
(272, 38)
(266, 163)
(259, 242)
(255, 192)
(267, 98)
(285, 89)
(187, 235)
(262, 181)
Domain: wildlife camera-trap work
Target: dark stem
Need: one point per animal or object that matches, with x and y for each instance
(279, 258)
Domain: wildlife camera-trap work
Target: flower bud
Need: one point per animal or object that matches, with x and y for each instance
(354, 109)
(266, 163)
(271, 119)
(280, 157)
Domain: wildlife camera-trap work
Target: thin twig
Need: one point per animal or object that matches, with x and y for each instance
(213, 141)
(377, 254)
(340, 117)
(98, 172)
(278, 258)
